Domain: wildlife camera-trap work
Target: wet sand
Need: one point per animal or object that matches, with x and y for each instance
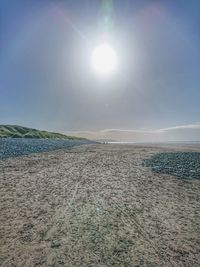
(97, 205)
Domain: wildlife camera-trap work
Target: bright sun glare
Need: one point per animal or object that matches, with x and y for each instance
(104, 59)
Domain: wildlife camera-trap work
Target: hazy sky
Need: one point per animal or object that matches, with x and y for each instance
(46, 78)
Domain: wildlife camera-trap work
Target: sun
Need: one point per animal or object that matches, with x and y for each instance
(104, 59)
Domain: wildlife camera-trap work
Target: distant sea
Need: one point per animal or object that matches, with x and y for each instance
(13, 147)
(156, 143)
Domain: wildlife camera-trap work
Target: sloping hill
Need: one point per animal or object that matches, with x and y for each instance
(16, 131)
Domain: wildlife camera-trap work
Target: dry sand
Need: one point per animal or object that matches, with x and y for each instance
(96, 205)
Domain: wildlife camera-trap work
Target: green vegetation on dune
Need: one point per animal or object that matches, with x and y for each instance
(16, 131)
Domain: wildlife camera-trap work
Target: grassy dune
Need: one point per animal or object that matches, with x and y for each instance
(16, 131)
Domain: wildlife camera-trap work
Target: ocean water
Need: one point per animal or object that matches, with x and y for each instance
(13, 147)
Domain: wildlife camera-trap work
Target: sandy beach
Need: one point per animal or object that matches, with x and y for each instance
(97, 206)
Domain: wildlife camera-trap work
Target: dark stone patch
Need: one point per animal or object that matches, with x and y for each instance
(13, 147)
(185, 165)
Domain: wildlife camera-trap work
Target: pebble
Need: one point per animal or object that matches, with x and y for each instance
(185, 165)
(13, 147)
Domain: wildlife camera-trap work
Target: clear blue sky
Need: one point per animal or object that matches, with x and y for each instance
(46, 79)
